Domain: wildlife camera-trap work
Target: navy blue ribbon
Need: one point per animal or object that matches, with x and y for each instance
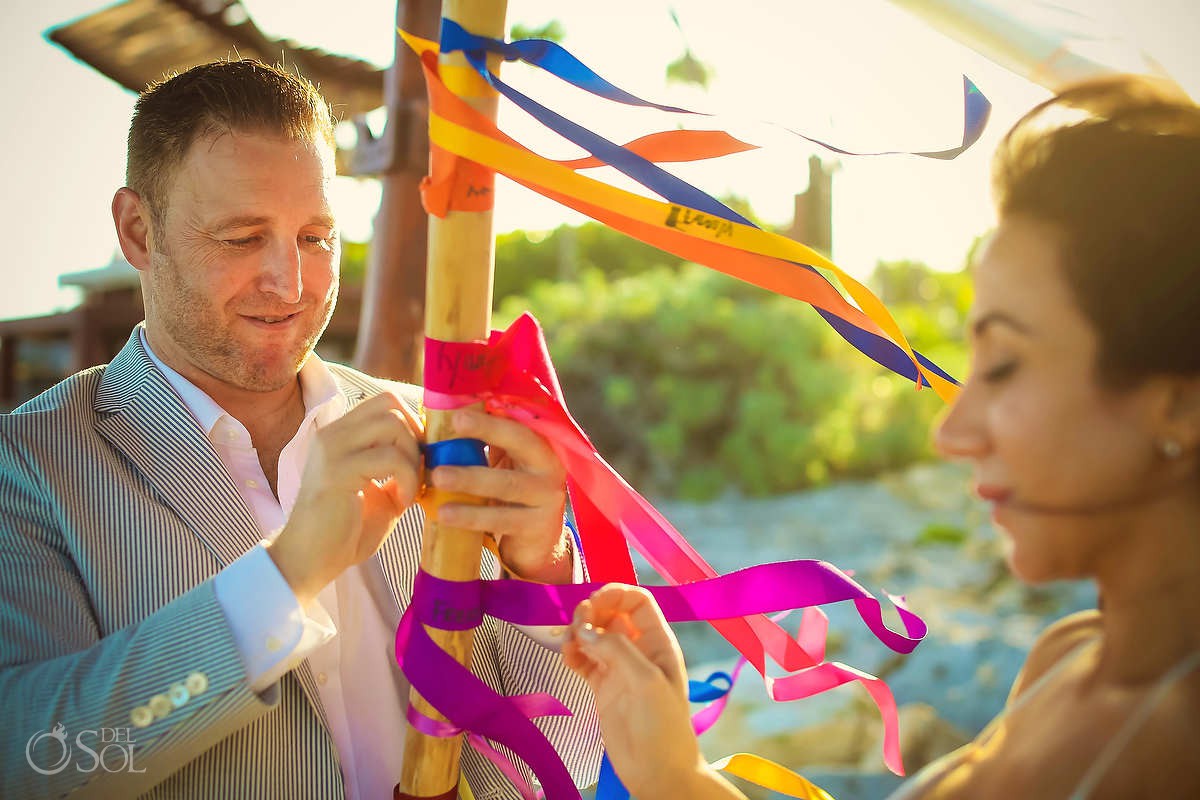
(554, 59)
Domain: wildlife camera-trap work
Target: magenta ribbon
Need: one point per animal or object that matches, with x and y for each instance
(538, 704)
(470, 705)
(512, 374)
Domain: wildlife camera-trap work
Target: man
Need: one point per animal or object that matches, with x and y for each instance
(206, 545)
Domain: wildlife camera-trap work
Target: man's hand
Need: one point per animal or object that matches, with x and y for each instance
(361, 474)
(526, 490)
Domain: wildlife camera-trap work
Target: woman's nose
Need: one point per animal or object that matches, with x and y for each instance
(961, 433)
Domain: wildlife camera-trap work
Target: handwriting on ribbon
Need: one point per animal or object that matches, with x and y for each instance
(679, 218)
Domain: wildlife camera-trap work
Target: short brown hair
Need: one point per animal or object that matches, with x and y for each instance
(1114, 166)
(244, 95)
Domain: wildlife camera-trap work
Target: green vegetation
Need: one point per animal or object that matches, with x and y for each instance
(692, 383)
(527, 258)
(938, 534)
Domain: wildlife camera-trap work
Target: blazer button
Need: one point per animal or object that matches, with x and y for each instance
(141, 716)
(160, 704)
(196, 683)
(178, 694)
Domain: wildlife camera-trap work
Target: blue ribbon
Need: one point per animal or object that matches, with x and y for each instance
(609, 787)
(557, 61)
(455, 452)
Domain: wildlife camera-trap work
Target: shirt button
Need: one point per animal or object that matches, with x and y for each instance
(322, 679)
(557, 631)
(273, 644)
(196, 683)
(178, 694)
(160, 705)
(252, 484)
(141, 717)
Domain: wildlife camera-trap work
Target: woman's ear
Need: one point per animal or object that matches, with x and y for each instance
(131, 218)
(1182, 418)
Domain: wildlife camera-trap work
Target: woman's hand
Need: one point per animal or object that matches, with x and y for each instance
(623, 648)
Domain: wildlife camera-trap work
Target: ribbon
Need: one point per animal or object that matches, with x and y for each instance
(512, 373)
(715, 691)
(556, 60)
(709, 232)
(471, 705)
(531, 705)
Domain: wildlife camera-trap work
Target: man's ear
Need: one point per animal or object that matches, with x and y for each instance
(132, 219)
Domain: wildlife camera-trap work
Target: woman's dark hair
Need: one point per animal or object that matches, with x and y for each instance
(1114, 166)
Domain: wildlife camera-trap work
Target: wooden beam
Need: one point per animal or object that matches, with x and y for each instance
(458, 304)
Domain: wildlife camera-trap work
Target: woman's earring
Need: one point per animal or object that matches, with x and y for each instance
(1171, 449)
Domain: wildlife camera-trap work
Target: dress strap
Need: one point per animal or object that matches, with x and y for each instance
(1035, 687)
(934, 771)
(1118, 743)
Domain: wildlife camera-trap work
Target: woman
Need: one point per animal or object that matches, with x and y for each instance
(1081, 420)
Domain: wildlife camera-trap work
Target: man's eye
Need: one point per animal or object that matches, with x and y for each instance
(320, 241)
(245, 241)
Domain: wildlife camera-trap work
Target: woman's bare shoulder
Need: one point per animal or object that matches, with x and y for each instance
(1055, 643)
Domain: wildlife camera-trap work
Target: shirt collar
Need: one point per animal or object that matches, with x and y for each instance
(322, 399)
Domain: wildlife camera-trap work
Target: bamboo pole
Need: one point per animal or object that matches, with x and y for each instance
(458, 303)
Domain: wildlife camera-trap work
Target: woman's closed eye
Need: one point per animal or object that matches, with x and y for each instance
(999, 372)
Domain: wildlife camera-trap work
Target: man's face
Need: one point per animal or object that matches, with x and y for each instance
(244, 271)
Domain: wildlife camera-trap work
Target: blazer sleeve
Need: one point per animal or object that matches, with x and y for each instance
(173, 683)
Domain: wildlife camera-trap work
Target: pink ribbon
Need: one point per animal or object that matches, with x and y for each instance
(513, 375)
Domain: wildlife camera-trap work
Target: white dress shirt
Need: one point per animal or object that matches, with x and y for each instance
(362, 690)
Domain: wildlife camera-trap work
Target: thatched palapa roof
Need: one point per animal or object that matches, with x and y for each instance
(137, 42)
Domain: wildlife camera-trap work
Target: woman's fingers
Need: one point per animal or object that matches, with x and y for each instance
(630, 613)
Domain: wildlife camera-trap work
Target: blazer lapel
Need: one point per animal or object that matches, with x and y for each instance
(142, 416)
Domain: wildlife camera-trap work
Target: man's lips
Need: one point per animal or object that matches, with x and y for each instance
(270, 321)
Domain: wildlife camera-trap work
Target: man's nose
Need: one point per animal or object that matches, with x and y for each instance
(280, 274)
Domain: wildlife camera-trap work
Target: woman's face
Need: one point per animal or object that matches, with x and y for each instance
(1064, 462)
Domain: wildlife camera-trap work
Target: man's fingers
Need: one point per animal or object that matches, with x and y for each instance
(526, 448)
(499, 521)
(502, 485)
(382, 464)
(381, 419)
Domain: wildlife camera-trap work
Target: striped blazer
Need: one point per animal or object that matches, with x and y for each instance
(115, 515)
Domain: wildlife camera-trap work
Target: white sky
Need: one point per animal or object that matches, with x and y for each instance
(861, 72)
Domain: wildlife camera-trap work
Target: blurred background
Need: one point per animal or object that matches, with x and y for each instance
(757, 430)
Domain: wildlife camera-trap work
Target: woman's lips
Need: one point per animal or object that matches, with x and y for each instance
(993, 494)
